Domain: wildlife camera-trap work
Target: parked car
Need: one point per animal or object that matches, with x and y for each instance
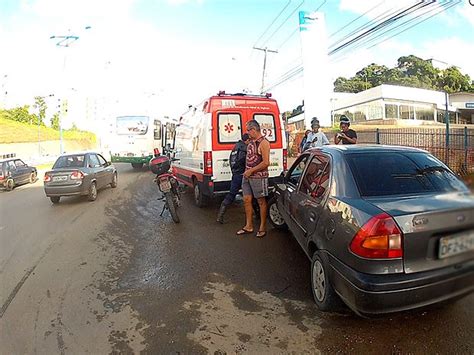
(79, 174)
(386, 228)
(15, 172)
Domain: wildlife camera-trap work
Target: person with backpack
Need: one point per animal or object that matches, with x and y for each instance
(237, 166)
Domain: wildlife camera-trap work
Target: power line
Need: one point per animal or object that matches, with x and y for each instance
(295, 72)
(281, 25)
(271, 24)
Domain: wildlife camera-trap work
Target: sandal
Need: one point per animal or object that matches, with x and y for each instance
(261, 234)
(243, 231)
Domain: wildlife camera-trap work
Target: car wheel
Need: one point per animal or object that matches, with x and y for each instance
(274, 215)
(55, 199)
(200, 199)
(92, 195)
(32, 177)
(324, 295)
(137, 166)
(114, 181)
(9, 185)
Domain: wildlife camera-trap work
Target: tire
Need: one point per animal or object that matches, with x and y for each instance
(200, 199)
(137, 166)
(32, 177)
(113, 184)
(274, 215)
(323, 293)
(92, 195)
(9, 185)
(55, 199)
(172, 207)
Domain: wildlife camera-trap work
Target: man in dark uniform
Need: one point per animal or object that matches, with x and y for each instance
(346, 135)
(237, 166)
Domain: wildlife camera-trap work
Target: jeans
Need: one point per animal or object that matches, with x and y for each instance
(235, 185)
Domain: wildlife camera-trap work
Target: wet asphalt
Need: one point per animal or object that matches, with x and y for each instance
(137, 282)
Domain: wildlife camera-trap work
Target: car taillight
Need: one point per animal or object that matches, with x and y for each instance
(379, 238)
(285, 159)
(208, 163)
(77, 175)
(47, 178)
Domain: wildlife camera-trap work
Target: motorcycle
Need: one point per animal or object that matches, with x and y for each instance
(167, 184)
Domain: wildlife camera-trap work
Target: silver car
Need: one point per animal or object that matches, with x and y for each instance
(79, 174)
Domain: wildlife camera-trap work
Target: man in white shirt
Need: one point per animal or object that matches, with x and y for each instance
(315, 138)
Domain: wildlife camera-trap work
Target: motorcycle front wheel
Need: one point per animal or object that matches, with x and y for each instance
(172, 206)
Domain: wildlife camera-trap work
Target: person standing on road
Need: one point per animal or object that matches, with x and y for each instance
(237, 166)
(316, 138)
(255, 180)
(346, 135)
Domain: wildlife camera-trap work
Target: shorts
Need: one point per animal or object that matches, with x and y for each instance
(256, 187)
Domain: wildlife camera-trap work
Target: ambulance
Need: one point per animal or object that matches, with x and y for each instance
(207, 133)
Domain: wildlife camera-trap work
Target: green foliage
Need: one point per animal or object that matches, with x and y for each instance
(55, 121)
(410, 71)
(41, 106)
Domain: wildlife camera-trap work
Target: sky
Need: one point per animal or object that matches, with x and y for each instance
(162, 55)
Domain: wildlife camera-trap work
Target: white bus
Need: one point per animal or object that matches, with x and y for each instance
(134, 139)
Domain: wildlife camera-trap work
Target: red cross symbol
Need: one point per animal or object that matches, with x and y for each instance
(229, 127)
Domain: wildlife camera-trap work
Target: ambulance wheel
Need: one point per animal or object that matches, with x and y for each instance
(200, 199)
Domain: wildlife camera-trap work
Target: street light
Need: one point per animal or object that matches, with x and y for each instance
(64, 41)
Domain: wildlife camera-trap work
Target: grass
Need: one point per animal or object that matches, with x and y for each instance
(18, 132)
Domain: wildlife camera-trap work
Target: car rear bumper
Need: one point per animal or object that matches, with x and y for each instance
(68, 190)
(380, 294)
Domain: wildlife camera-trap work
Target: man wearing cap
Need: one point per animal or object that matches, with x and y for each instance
(346, 135)
(237, 166)
(315, 138)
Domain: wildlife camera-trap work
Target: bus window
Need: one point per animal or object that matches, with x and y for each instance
(267, 125)
(132, 125)
(157, 130)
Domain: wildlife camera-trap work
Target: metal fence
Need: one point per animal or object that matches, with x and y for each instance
(455, 148)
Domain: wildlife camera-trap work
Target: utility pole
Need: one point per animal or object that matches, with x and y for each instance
(64, 41)
(265, 50)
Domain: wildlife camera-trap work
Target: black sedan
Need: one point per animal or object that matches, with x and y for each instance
(79, 174)
(14, 171)
(386, 228)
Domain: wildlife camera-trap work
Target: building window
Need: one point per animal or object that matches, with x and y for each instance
(407, 112)
(391, 111)
(424, 113)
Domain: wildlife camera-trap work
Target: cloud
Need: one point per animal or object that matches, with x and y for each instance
(467, 11)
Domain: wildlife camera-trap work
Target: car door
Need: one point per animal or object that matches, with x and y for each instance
(96, 169)
(13, 172)
(307, 202)
(106, 170)
(22, 172)
(292, 180)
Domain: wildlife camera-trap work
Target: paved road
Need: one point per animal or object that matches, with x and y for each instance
(82, 277)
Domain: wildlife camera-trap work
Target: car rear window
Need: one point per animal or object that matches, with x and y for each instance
(394, 173)
(70, 161)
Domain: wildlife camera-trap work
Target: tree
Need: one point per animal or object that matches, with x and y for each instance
(452, 80)
(55, 121)
(40, 103)
(412, 66)
(374, 74)
(350, 85)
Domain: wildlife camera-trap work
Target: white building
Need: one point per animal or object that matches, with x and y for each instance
(390, 103)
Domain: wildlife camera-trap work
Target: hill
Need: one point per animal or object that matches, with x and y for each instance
(18, 132)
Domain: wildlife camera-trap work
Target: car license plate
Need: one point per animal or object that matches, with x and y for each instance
(454, 245)
(59, 178)
(165, 185)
